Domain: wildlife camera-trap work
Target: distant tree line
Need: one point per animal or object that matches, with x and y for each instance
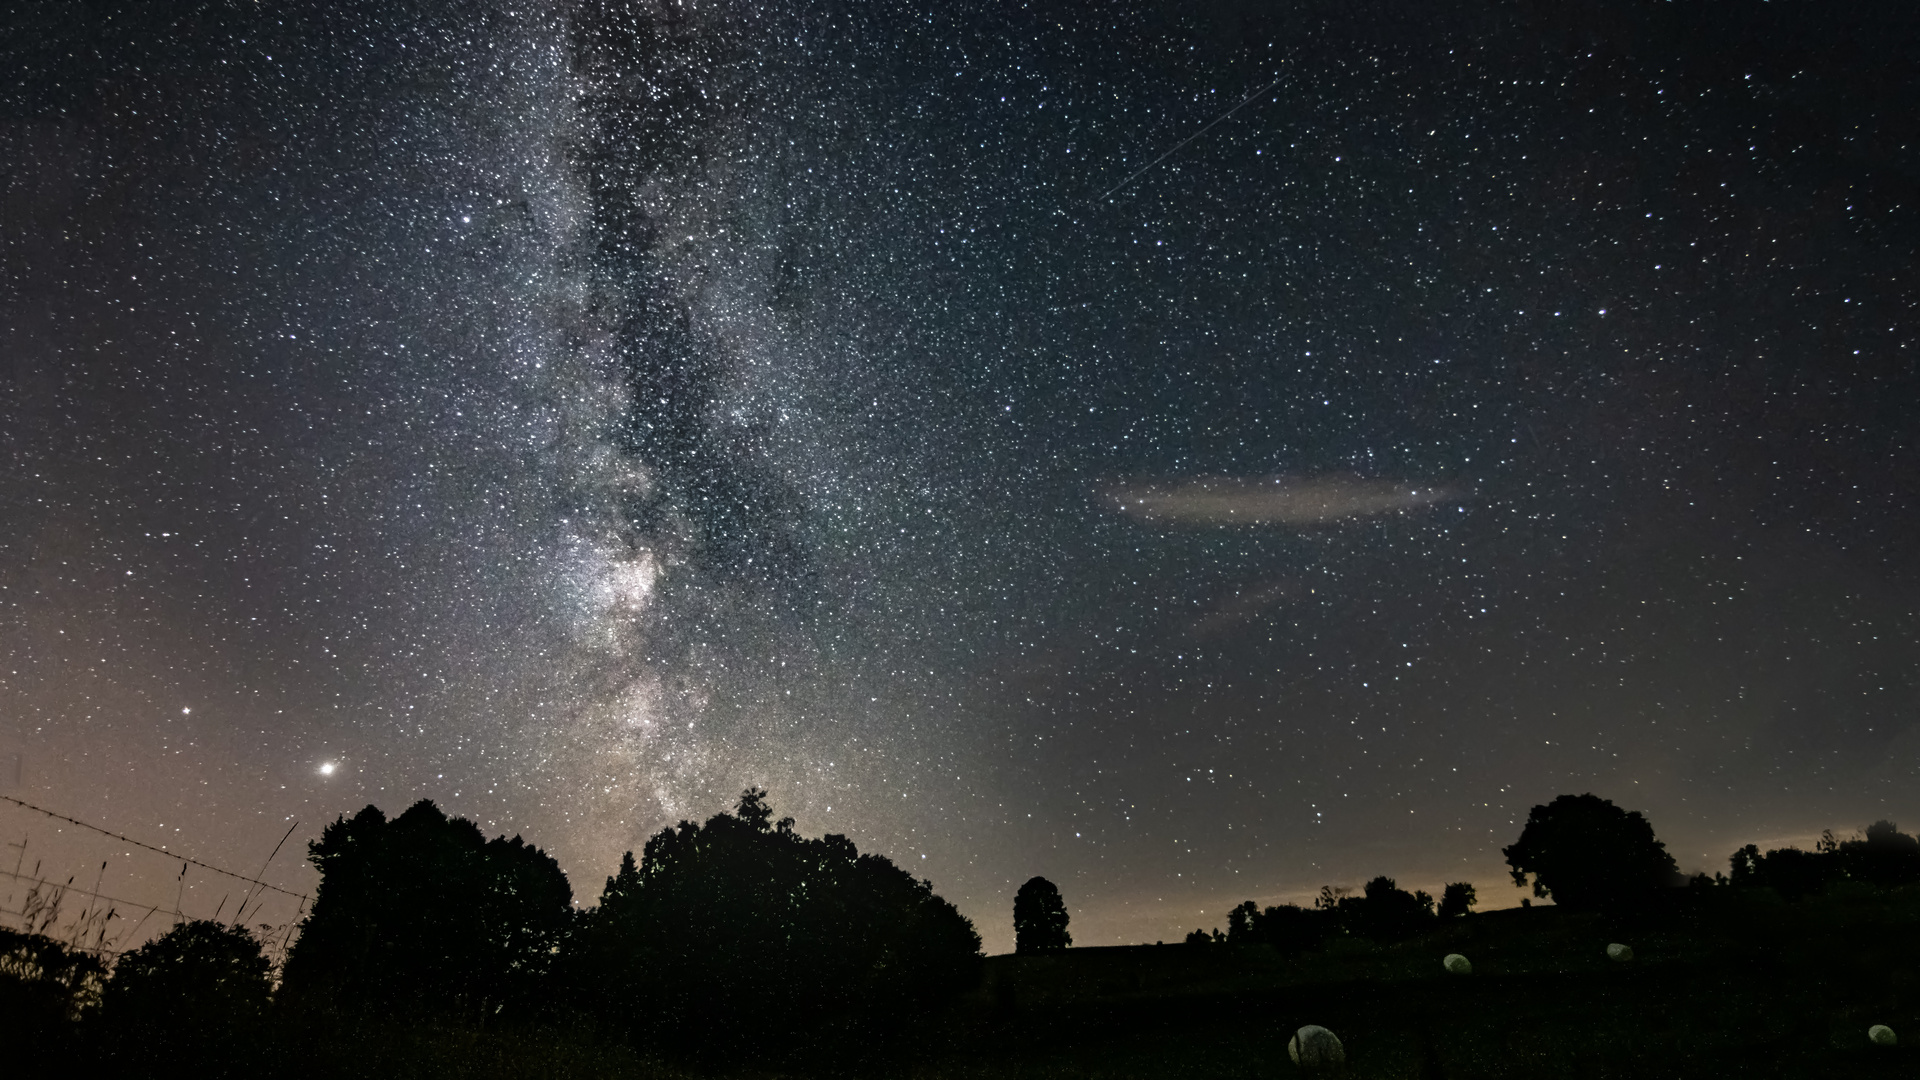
(1381, 911)
(1584, 853)
(1883, 856)
(728, 939)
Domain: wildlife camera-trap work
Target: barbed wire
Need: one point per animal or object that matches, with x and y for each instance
(303, 897)
(130, 905)
(70, 887)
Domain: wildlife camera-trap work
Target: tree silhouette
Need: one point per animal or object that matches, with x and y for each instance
(422, 914)
(1386, 912)
(1039, 918)
(1791, 872)
(738, 936)
(1287, 927)
(1457, 899)
(199, 990)
(753, 809)
(1585, 852)
(1240, 922)
(1885, 856)
(1383, 911)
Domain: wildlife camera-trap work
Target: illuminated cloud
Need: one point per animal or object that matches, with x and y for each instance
(1280, 500)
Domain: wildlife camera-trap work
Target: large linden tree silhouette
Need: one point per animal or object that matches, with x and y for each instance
(1585, 852)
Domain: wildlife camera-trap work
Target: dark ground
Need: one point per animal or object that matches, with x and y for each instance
(1724, 983)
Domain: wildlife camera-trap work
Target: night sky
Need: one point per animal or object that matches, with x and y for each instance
(576, 413)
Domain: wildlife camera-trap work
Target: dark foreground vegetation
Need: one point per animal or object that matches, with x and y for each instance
(737, 948)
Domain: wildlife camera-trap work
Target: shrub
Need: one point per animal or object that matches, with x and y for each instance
(1288, 928)
(1457, 899)
(44, 987)
(198, 991)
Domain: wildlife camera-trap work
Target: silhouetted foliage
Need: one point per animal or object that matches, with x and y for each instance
(1240, 921)
(1791, 872)
(1287, 928)
(425, 915)
(200, 989)
(1457, 899)
(1039, 918)
(1383, 911)
(1393, 913)
(738, 936)
(1884, 856)
(1201, 937)
(44, 986)
(1585, 852)
(753, 809)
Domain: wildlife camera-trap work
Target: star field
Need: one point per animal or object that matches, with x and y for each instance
(577, 415)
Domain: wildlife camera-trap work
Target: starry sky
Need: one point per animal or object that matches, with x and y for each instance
(576, 413)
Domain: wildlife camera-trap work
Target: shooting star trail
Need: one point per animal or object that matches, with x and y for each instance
(1131, 177)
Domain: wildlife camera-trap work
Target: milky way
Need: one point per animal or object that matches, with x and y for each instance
(575, 415)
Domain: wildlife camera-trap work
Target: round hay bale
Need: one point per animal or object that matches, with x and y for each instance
(1617, 951)
(1457, 964)
(1314, 1047)
(1881, 1035)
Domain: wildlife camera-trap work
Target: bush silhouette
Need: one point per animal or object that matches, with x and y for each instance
(1240, 922)
(423, 915)
(44, 987)
(200, 989)
(1383, 911)
(739, 936)
(1457, 899)
(1386, 912)
(1791, 872)
(1885, 856)
(1039, 918)
(1287, 928)
(1585, 852)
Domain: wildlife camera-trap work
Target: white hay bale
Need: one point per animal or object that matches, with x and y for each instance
(1457, 964)
(1881, 1035)
(1314, 1047)
(1617, 951)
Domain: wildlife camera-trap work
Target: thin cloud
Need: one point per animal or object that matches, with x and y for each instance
(1244, 606)
(1280, 500)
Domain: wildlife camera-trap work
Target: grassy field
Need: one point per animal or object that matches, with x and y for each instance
(1724, 983)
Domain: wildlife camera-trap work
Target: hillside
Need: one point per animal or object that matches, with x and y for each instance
(1724, 982)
